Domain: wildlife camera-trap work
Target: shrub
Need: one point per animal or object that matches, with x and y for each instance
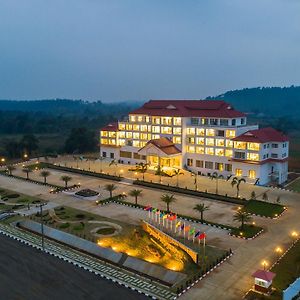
(12, 196)
(64, 225)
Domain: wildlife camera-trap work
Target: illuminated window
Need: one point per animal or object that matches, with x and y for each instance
(149, 128)
(155, 136)
(238, 172)
(166, 120)
(136, 143)
(104, 141)
(122, 126)
(240, 145)
(143, 144)
(191, 149)
(176, 139)
(253, 156)
(155, 129)
(252, 174)
(201, 131)
(132, 118)
(156, 120)
(229, 143)
(190, 131)
(220, 142)
(219, 166)
(129, 135)
(144, 136)
(220, 152)
(200, 141)
(112, 134)
(191, 140)
(210, 132)
(121, 142)
(122, 134)
(144, 127)
(136, 127)
(253, 146)
(166, 130)
(200, 150)
(136, 135)
(104, 133)
(177, 121)
(230, 133)
(147, 119)
(209, 151)
(228, 153)
(177, 130)
(210, 142)
(128, 126)
(111, 141)
(140, 118)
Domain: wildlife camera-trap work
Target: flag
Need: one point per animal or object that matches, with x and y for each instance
(182, 227)
(192, 231)
(154, 210)
(158, 212)
(197, 233)
(178, 224)
(202, 236)
(162, 214)
(187, 228)
(147, 208)
(165, 216)
(174, 217)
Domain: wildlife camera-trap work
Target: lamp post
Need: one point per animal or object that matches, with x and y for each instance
(294, 235)
(2, 161)
(264, 264)
(42, 223)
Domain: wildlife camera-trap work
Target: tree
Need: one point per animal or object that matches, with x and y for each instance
(12, 148)
(242, 217)
(27, 171)
(265, 196)
(216, 176)
(253, 195)
(168, 199)
(278, 200)
(81, 140)
(10, 169)
(135, 193)
(201, 208)
(66, 179)
(110, 188)
(143, 167)
(236, 182)
(45, 174)
(195, 180)
(29, 143)
(115, 164)
(176, 173)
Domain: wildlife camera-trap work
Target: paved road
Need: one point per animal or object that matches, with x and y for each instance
(27, 273)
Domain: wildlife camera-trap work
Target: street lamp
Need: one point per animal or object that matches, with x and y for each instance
(278, 250)
(42, 222)
(264, 264)
(294, 235)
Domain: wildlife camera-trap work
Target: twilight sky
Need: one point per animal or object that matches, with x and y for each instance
(115, 50)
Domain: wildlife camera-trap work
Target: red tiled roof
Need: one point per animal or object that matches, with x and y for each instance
(262, 135)
(264, 275)
(110, 127)
(165, 145)
(189, 108)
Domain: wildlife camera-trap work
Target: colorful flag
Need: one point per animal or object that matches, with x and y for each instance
(187, 228)
(165, 216)
(192, 231)
(202, 236)
(182, 227)
(147, 208)
(178, 224)
(197, 233)
(154, 210)
(158, 212)
(174, 217)
(162, 214)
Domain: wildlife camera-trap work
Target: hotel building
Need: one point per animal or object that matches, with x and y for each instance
(203, 136)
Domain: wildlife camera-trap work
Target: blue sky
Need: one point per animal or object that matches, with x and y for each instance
(136, 49)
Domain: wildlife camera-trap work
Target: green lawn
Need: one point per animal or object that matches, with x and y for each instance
(265, 209)
(295, 186)
(248, 231)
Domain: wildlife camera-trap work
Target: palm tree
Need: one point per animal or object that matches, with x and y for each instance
(216, 176)
(265, 196)
(253, 195)
(135, 193)
(176, 173)
(10, 169)
(195, 175)
(242, 217)
(66, 179)
(45, 174)
(27, 171)
(236, 182)
(168, 199)
(201, 208)
(143, 167)
(114, 163)
(110, 188)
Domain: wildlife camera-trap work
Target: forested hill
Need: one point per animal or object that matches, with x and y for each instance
(271, 101)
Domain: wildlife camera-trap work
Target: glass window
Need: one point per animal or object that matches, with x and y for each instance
(200, 150)
(177, 121)
(209, 165)
(136, 144)
(104, 133)
(220, 142)
(199, 163)
(228, 153)
(104, 141)
(155, 129)
(155, 136)
(136, 135)
(253, 146)
(229, 143)
(166, 130)
(195, 121)
(112, 134)
(166, 120)
(177, 130)
(140, 118)
(144, 136)
(210, 132)
(204, 121)
(210, 142)
(201, 131)
(191, 140)
(156, 120)
(239, 155)
(147, 119)
(230, 133)
(189, 162)
(228, 167)
(190, 131)
(220, 152)
(240, 145)
(122, 126)
(253, 156)
(238, 172)
(136, 127)
(144, 127)
(121, 142)
(132, 118)
(252, 174)
(210, 151)
(122, 134)
(129, 135)
(219, 166)
(224, 122)
(191, 149)
(213, 122)
(128, 126)
(176, 139)
(200, 141)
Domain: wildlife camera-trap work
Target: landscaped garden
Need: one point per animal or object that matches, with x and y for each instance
(295, 185)
(263, 208)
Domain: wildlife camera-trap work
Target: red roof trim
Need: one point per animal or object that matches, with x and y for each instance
(110, 127)
(264, 275)
(262, 162)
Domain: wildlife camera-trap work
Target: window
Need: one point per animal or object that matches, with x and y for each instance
(136, 135)
(201, 131)
(199, 163)
(195, 121)
(129, 135)
(136, 127)
(228, 153)
(111, 141)
(230, 133)
(253, 156)
(156, 120)
(121, 126)
(176, 139)
(219, 166)
(210, 132)
(191, 140)
(112, 134)
(166, 120)
(104, 153)
(136, 144)
(220, 152)
(155, 136)
(209, 165)
(125, 154)
(122, 134)
(224, 122)
(177, 130)
(283, 155)
(233, 122)
(274, 145)
(220, 133)
(229, 143)
(190, 131)
(144, 136)
(155, 129)
(209, 151)
(190, 149)
(177, 121)
(200, 141)
(238, 172)
(147, 119)
(240, 145)
(210, 142)
(132, 118)
(242, 121)
(213, 122)
(200, 150)
(104, 133)
(140, 118)
(136, 156)
(189, 162)
(204, 121)
(122, 142)
(104, 141)
(112, 155)
(128, 126)
(252, 174)
(253, 146)
(228, 167)
(220, 142)
(274, 155)
(144, 127)
(239, 155)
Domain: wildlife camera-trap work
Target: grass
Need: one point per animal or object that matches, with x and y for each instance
(248, 231)
(265, 209)
(12, 198)
(295, 185)
(106, 231)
